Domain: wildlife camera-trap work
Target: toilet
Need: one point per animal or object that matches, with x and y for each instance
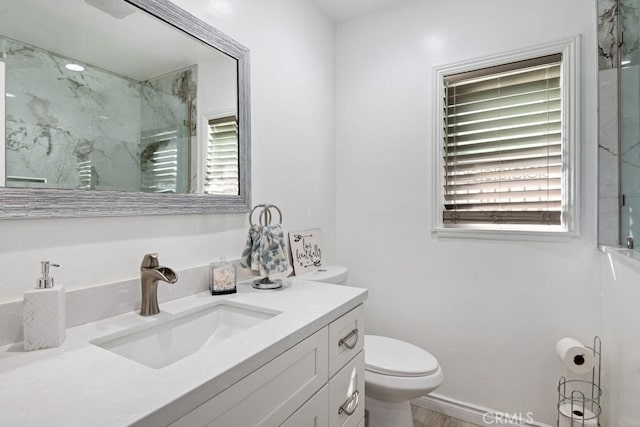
(395, 371)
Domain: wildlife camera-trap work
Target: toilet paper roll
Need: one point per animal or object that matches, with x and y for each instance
(575, 356)
(579, 416)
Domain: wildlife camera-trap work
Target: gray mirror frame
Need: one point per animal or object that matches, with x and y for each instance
(16, 203)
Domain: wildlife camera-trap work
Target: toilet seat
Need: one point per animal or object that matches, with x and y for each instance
(389, 356)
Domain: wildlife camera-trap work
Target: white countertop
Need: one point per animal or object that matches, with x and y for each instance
(80, 384)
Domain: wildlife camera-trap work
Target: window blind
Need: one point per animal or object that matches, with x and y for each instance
(85, 175)
(223, 161)
(503, 140)
(160, 163)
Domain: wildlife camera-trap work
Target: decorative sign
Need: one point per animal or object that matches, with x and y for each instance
(306, 250)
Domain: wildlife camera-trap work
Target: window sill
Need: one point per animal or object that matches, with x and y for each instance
(629, 256)
(506, 234)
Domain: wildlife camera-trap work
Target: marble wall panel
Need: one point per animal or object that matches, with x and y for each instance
(608, 122)
(608, 188)
(58, 120)
(630, 31)
(86, 129)
(607, 34)
(169, 107)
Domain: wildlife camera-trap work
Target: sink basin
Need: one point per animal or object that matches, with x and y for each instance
(162, 344)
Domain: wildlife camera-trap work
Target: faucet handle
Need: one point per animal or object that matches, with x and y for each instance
(150, 261)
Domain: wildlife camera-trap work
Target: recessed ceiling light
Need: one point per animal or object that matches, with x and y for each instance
(9, 95)
(625, 63)
(74, 67)
(103, 117)
(116, 8)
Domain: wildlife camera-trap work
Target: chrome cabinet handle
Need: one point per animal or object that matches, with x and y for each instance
(344, 340)
(346, 405)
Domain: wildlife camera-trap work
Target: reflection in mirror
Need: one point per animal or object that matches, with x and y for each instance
(78, 119)
(111, 98)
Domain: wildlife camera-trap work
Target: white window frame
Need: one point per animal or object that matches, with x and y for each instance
(570, 224)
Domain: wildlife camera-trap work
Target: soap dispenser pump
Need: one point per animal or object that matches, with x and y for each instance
(46, 281)
(44, 313)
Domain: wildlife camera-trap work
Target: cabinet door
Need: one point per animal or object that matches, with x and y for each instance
(346, 394)
(314, 413)
(269, 395)
(346, 338)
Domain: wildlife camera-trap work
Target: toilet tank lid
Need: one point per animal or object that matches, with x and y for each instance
(329, 274)
(389, 356)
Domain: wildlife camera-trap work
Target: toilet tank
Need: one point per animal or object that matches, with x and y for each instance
(330, 274)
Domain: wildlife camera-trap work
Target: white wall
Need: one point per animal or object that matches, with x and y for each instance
(490, 311)
(292, 76)
(217, 83)
(621, 344)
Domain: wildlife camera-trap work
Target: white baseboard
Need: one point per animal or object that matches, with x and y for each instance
(468, 412)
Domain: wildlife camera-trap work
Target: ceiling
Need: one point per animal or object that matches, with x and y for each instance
(139, 46)
(341, 10)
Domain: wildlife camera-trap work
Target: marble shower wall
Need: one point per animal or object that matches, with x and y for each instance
(183, 86)
(630, 151)
(608, 34)
(629, 119)
(74, 129)
(619, 116)
(89, 129)
(608, 149)
(629, 16)
(169, 109)
(608, 180)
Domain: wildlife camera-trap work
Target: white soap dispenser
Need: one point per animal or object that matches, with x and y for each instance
(44, 313)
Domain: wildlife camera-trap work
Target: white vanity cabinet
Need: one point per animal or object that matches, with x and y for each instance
(300, 365)
(317, 382)
(346, 369)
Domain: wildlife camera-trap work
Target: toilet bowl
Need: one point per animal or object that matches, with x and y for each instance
(395, 371)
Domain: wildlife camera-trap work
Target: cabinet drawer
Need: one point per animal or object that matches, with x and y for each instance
(346, 338)
(346, 394)
(269, 395)
(314, 413)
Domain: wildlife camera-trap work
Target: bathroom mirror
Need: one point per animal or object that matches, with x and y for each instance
(118, 108)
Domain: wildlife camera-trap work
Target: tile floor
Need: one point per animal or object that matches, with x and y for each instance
(426, 418)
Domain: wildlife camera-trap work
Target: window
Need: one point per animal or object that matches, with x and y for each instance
(505, 146)
(222, 166)
(159, 163)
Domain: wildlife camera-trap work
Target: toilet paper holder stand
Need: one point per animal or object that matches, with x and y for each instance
(582, 397)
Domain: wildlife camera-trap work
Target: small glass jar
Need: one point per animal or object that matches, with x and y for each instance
(222, 277)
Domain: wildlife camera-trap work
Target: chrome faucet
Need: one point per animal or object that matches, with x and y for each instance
(150, 273)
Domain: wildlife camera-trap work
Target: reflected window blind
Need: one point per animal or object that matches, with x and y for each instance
(222, 157)
(84, 175)
(160, 163)
(503, 144)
